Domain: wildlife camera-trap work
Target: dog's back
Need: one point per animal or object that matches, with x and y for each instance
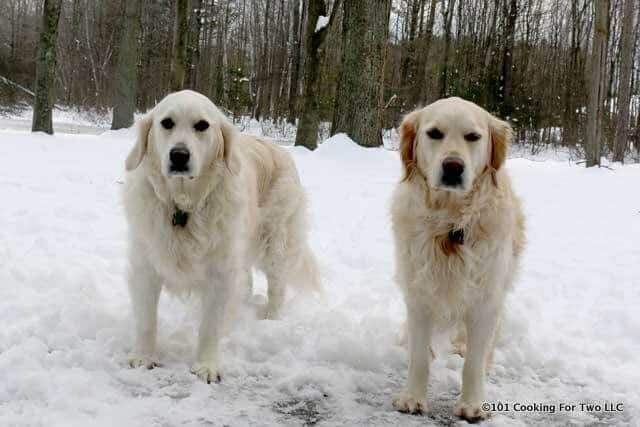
(278, 216)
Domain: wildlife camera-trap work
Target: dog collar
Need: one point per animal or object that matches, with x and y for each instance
(457, 236)
(180, 217)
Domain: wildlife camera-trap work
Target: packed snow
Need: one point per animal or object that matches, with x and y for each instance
(322, 22)
(571, 333)
(65, 120)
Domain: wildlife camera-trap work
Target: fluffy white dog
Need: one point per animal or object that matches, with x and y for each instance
(204, 205)
(459, 234)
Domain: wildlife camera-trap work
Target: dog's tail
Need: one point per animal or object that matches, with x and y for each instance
(305, 274)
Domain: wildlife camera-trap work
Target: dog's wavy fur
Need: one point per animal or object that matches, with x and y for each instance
(447, 282)
(246, 208)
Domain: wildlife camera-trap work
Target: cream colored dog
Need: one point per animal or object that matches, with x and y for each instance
(459, 234)
(204, 205)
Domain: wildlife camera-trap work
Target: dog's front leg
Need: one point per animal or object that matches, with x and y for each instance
(144, 289)
(215, 301)
(414, 399)
(481, 321)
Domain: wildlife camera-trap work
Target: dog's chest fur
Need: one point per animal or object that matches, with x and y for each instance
(444, 281)
(184, 256)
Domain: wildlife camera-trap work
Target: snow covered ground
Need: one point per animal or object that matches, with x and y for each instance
(64, 121)
(571, 334)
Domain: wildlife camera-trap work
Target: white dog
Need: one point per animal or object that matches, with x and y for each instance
(204, 205)
(459, 234)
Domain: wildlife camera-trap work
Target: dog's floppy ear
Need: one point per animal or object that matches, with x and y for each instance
(408, 131)
(140, 148)
(501, 136)
(229, 137)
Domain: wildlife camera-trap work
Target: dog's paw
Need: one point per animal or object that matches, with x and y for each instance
(138, 361)
(206, 373)
(471, 412)
(272, 314)
(409, 404)
(460, 349)
(267, 312)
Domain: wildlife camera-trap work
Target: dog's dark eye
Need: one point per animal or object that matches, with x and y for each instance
(471, 137)
(167, 123)
(201, 126)
(435, 134)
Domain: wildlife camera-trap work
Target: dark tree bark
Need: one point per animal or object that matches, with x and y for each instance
(490, 67)
(307, 135)
(218, 71)
(573, 80)
(447, 16)
(295, 63)
(193, 59)
(426, 49)
(126, 81)
(46, 68)
(624, 90)
(597, 88)
(74, 93)
(180, 41)
(262, 94)
(358, 105)
(511, 15)
(407, 67)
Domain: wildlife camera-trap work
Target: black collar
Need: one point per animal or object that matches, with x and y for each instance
(457, 236)
(180, 217)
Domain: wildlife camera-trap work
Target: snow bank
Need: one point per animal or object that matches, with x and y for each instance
(322, 22)
(571, 331)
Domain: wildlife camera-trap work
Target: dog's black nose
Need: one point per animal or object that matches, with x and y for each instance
(452, 170)
(179, 157)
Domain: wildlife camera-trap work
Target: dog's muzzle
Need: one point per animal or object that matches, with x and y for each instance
(179, 160)
(452, 172)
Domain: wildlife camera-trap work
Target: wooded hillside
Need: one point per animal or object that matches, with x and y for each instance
(530, 61)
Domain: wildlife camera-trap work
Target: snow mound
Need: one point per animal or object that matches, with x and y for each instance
(570, 332)
(322, 22)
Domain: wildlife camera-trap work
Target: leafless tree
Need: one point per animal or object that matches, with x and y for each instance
(358, 108)
(527, 60)
(46, 69)
(126, 77)
(626, 52)
(597, 75)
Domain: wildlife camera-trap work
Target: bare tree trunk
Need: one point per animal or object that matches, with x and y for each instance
(511, 15)
(193, 60)
(181, 34)
(46, 68)
(262, 98)
(126, 81)
(407, 67)
(218, 72)
(73, 96)
(447, 16)
(597, 82)
(426, 80)
(490, 68)
(573, 81)
(295, 62)
(358, 105)
(624, 91)
(277, 63)
(307, 135)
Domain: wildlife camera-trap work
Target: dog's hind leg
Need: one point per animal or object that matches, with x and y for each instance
(247, 284)
(459, 339)
(276, 293)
